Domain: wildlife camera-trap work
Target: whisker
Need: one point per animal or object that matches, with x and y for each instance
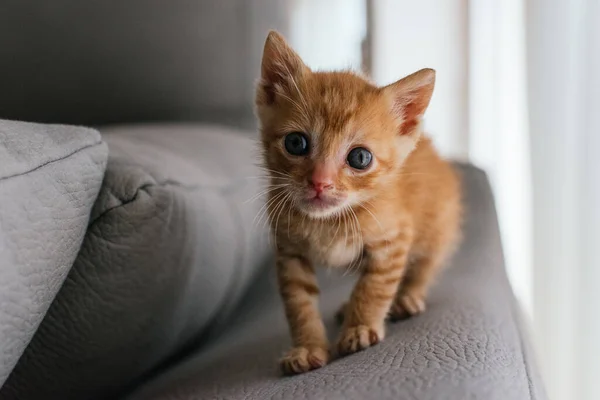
(266, 191)
(356, 225)
(276, 172)
(267, 177)
(302, 99)
(264, 209)
(288, 98)
(270, 220)
(346, 226)
(387, 242)
(334, 236)
(354, 239)
(266, 220)
(281, 207)
(303, 220)
(372, 215)
(290, 216)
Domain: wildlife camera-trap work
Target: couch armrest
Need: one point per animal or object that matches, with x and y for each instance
(49, 178)
(170, 249)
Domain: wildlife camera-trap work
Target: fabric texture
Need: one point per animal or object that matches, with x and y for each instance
(173, 295)
(469, 344)
(170, 249)
(50, 176)
(114, 61)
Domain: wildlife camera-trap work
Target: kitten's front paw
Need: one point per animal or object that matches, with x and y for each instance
(303, 359)
(356, 338)
(407, 305)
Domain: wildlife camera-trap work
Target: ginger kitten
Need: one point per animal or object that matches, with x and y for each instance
(353, 184)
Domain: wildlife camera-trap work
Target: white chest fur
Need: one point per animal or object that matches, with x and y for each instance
(336, 253)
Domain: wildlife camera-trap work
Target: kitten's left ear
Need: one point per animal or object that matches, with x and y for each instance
(410, 97)
(281, 67)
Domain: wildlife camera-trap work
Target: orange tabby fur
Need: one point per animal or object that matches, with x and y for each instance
(396, 222)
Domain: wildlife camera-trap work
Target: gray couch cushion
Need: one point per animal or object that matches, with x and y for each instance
(49, 178)
(170, 249)
(468, 345)
(98, 62)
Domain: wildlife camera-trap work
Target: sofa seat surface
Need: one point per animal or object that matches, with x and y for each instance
(169, 250)
(470, 344)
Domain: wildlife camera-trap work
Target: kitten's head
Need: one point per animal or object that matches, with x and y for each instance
(333, 140)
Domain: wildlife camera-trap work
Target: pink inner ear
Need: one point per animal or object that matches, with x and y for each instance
(279, 64)
(411, 106)
(411, 97)
(275, 77)
(411, 115)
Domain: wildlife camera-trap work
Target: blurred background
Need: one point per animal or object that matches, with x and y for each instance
(518, 94)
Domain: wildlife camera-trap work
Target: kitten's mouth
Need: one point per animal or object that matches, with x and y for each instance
(321, 202)
(321, 206)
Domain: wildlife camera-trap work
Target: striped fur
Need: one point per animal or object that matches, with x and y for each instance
(397, 221)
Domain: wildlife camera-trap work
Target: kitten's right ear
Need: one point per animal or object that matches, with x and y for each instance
(410, 98)
(280, 68)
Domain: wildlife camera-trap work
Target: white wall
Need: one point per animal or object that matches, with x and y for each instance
(328, 33)
(409, 35)
(499, 136)
(564, 85)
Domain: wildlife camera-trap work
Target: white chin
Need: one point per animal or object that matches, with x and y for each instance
(321, 212)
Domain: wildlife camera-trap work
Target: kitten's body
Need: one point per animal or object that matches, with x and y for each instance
(395, 221)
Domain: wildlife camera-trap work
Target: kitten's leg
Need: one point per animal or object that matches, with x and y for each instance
(299, 291)
(410, 299)
(373, 294)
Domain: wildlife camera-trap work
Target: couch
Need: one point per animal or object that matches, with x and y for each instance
(133, 264)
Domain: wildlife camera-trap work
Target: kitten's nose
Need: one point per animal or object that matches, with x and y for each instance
(322, 186)
(322, 178)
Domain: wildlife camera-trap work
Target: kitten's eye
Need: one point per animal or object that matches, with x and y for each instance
(296, 143)
(359, 158)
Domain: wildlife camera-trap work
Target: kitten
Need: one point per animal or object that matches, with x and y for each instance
(353, 184)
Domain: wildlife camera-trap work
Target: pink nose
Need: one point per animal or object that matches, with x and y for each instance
(322, 186)
(322, 178)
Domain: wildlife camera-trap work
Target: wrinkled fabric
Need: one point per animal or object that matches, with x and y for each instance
(170, 249)
(50, 176)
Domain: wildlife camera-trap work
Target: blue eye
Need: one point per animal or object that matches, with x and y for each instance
(296, 143)
(359, 158)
